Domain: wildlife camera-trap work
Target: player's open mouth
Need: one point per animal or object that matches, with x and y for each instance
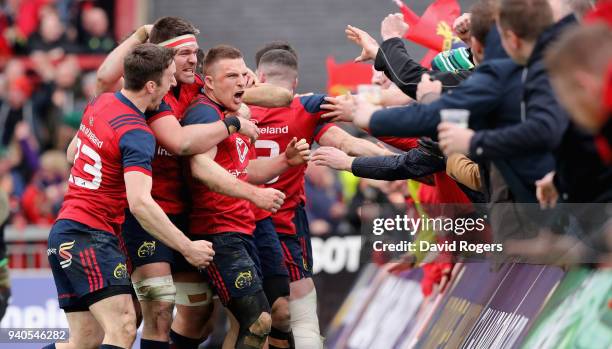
(238, 96)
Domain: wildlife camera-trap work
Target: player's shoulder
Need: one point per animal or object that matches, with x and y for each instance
(202, 110)
(162, 110)
(311, 102)
(124, 115)
(104, 101)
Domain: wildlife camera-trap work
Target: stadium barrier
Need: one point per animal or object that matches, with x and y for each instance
(484, 306)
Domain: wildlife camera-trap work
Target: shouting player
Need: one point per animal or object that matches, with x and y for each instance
(227, 220)
(156, 289)
(112, 162)
(277, 65)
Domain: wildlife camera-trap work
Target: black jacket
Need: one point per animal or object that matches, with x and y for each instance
(412, 164)
(493, 96)
(543, 120)
(422, 161)
(393, 59)
(581, 175)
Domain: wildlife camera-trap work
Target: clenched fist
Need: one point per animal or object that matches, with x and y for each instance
(199, 253)
(269, 199)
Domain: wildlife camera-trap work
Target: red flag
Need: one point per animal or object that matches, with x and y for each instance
(429, 56)
(343, 77)
(409, 16)
(601, 12)
(433, 29)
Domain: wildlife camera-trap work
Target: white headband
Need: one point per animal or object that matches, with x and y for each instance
(179, 41)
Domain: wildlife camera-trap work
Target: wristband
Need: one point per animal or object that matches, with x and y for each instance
(232, 123)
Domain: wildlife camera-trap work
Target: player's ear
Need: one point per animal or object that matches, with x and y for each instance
(209, 83)
(260, 76)
(295, 83)
(150, 86)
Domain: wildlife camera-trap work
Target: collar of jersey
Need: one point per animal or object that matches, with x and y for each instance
(123, 99)
(208, 99)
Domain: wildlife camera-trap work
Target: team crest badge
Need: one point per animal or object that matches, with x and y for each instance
(91, 121)
(242, 148)
(64, 252)
(244, 279)
(120, 271)
(147, 249)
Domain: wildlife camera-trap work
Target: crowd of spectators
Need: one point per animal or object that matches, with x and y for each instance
(524, 132)
(44, 87)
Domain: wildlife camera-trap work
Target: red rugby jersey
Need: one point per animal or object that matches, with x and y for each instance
(213, 213)
(113, 139)
(167, 190)
(278, 126)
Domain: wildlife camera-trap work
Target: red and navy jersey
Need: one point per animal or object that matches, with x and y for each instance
(213, 213)
(113, 139)
(278, 126)
(167, 190)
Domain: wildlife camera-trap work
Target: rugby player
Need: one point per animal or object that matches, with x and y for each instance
(85, 248)
(227, 220)
(156, 289)
(277, 65)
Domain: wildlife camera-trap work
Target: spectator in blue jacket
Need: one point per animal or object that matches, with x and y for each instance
(492, 95)
(527, 29)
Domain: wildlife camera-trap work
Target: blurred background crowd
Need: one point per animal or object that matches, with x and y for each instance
(49, 51)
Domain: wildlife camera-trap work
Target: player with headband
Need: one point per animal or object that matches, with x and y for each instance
(155, 287)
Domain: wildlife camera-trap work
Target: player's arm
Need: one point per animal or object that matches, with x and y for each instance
(328, 134)
(137, 147)
(336, 137)
(187, 140)
(267, 95)
(196, 138)
(393, 97)
(111, 70)
(206, 170)
(264, 169)
(149, 214)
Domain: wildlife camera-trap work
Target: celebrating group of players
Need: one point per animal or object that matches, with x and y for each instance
(211, 159)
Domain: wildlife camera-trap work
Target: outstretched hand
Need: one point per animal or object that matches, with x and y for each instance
(297, 152)
(340, 108)
(393, 26)
(462, 27)
(369, 46)
(332, 157)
